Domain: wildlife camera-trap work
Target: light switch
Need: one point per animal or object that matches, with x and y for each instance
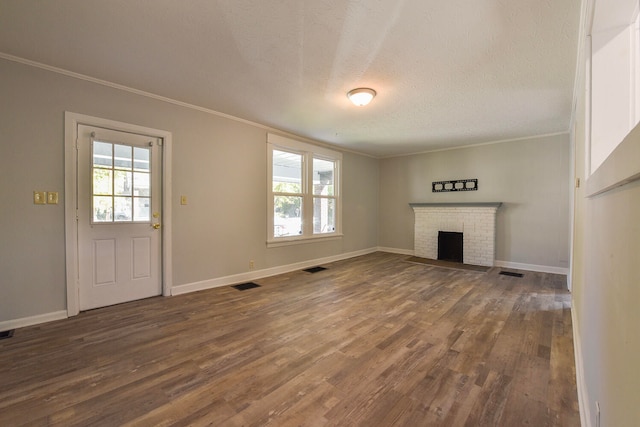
(39, 197)
(52, 197)
(183, 200)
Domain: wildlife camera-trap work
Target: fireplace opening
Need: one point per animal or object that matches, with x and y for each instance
(450, 246)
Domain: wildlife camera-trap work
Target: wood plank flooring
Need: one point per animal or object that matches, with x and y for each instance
(371, 341)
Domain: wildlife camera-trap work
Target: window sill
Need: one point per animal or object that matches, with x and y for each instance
(620, 168)
(288, 241)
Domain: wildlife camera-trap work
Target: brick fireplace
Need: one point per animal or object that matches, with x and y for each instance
(477, 222)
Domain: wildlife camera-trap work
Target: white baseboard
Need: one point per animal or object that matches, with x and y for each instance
(583, 395)
(532, 267)
(6, 325)
(267, 272)
(396, 250)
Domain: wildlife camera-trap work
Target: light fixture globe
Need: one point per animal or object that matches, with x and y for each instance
(361, 96)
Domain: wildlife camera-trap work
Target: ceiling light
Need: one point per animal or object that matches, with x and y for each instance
(361, 96)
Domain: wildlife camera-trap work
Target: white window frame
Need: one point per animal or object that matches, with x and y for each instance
(308, 152)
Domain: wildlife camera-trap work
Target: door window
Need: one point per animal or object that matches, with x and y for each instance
(121, 185)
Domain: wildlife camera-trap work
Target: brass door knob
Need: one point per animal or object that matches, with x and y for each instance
(156, 226)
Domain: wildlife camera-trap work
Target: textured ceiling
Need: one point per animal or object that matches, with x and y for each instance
(447, 73)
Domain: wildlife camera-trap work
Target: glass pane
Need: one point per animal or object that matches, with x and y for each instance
(102, 181)
(141, 209)
(324, 215)
(102, 209)
(141, 185)
(122, 183)
(323, 177)
(122, 209)
(102, 154)
(141, 159)
(122, 156)
(287, 216)
(287, 172)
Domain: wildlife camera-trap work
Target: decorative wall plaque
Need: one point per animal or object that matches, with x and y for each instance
(456, 185)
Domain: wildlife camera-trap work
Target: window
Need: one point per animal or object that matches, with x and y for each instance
(121, 190)
(304, 191)
(613, 81)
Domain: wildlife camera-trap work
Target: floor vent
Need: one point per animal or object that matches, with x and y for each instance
(512, 274)
(6, 334)
(245, 286)
(314, 269)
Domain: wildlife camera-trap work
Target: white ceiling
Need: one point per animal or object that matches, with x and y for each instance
(448, 73)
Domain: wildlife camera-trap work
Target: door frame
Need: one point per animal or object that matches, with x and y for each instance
(71, 122)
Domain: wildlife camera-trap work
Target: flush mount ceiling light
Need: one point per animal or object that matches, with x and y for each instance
(361, 96)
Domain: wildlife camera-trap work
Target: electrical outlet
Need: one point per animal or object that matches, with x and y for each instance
(251, 265)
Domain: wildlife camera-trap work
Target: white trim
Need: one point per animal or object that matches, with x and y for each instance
(620, 168)
(6, 325)
(480, 144)
(288, 241)
(583, 394)
(71, 121)
(410, 252)
(267, 272)
(532, 267)
(139, 92)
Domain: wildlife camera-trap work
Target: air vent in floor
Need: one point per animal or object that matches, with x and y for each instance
(245, 286)
(511, 273)
(6, 334)
(314, 269)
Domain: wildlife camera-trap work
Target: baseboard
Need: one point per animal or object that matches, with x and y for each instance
(396, 250)
(583, 395)
(260, 274)
(7, 325)
(532, 267)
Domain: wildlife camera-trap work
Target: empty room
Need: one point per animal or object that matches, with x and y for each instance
(333, 213)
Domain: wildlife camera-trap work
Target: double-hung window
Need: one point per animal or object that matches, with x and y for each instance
(303, 191)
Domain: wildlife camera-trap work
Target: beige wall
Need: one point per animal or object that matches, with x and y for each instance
(530, 177)
(606, 283)
(220, 164)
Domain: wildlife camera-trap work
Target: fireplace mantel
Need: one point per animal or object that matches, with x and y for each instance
(457, 205)
(477, 222)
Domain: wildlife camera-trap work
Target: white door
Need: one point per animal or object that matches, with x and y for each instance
(119, 216)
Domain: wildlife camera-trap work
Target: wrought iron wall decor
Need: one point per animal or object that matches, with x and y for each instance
(455, 185)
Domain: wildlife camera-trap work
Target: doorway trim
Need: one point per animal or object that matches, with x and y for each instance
(71, 122)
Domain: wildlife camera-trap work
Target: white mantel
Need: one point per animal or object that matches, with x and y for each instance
(477, 222)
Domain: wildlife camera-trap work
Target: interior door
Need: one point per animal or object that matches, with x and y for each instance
(119, 216)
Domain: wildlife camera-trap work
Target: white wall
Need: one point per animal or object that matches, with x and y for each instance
(218, 163)
(530, 177)
(606, 250)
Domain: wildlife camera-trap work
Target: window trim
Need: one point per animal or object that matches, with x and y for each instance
(309, 152)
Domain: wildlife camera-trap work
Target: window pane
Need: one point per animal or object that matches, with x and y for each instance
(141, 185)
(122, 183)
(324, 215)
(287, 172)
(141, 209)
(102, 154)
(287, 216)
(102, 182)
(122, 209)
(102, 209)
(141, 159)
(122, 156)
(323, 184)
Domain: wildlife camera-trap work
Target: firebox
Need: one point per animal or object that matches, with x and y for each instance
(450, 246)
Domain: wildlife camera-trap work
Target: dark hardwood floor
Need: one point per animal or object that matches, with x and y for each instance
(371, 341)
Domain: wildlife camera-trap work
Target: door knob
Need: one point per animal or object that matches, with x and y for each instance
(156, 226)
